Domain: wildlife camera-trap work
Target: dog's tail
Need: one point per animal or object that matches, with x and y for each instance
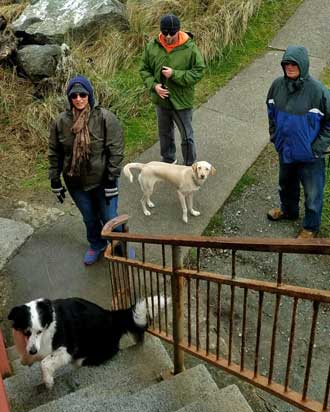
(127, 169)
(148, 308)
(136, 322)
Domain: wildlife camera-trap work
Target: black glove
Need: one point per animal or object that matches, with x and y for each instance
(110, 190)
(58, 189)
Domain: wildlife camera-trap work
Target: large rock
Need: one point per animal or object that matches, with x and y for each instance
(47, 21)
(39, 62)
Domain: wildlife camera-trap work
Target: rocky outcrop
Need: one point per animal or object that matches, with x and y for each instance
(48, 21)
(38, 62)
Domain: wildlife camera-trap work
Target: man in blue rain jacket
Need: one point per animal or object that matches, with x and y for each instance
(299, 127)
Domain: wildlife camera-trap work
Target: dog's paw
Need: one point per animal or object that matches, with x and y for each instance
(195, 212)
(150, 204)
(49, 382)
(147, 213)
(185, 218)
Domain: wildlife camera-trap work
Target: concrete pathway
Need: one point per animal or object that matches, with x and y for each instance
(231, 131)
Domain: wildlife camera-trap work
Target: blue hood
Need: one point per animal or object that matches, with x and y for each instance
(86, 84)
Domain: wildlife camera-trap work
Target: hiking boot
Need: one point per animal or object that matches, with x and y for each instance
(306, 234)
(277, 214)
(92, 256)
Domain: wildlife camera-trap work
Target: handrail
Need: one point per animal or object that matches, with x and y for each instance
(4, 372)
(4, 362)
(320, 246)
(225, 297)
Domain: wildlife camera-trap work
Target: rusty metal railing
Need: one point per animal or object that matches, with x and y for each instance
(4, 372)
(233, 322)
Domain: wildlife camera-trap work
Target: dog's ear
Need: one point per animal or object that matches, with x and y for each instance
(194, 167)
(14, 313)
(19, 316)
(45, 310)
(213, 171)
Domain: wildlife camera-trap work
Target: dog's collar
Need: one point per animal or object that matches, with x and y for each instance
(196, 180)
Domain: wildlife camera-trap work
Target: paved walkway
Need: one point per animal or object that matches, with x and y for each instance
(231, 131)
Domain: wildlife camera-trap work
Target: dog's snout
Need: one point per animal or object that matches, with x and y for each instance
(33, 350)
(202, 176)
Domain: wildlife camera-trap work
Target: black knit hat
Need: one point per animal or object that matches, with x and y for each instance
(170, 22)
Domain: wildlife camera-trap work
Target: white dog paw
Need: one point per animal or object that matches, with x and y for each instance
(147, 213)
(195, 212)
(185, 219)
(49, 382)
(150, 204)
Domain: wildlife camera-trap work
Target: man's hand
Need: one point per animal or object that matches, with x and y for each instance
(58, 189)
(167, 72)
(162, 92)
(110, 191)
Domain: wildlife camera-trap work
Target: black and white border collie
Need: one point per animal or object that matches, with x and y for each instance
(76, 331)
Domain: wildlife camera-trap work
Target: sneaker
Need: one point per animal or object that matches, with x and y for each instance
(277, 214)
(306, 234)
(92, 256)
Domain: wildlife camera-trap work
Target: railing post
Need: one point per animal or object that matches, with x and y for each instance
(4, 362)
(4, 405)
(178, 306)
(4, 372)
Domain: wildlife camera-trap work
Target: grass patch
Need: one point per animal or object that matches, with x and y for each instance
(215, 225)
(230, 34)
(325, 230)
(40, 178)
(245, 181)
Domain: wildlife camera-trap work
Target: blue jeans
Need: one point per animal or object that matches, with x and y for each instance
(95, 213)
(183, 119)
(312, 177)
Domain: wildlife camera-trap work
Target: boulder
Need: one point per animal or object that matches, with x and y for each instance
(48, 21)
(39, 61)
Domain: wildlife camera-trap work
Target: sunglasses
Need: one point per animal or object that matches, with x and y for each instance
(169, 32)
(290, 63)
(74, 96)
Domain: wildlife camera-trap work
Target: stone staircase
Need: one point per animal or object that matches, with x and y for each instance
(131, 381)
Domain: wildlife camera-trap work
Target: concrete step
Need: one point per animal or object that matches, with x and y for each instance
(166, 396)
(25, 390)
(229, 399)
(15, 363)
(124, 384)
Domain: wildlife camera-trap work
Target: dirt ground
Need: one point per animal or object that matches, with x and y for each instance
(244, 214)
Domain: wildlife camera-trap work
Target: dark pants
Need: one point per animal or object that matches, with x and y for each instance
(95, 213)
(182, 118)
(312, 177)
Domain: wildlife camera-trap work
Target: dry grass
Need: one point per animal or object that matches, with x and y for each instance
(12, 11)
(110, 59)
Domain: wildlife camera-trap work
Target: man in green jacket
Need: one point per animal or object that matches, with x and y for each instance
(172, 65)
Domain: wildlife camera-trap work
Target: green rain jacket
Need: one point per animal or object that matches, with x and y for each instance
(187, 64)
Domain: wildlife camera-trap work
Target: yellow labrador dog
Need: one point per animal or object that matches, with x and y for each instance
(186, 180)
